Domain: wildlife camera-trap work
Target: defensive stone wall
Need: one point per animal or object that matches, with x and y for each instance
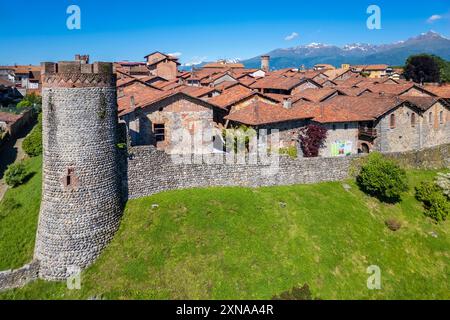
(10, 279)
(150, 171)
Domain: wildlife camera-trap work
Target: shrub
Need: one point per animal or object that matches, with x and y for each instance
(24, 104)
(15, 174)
(296, 293)
(290, 151)
(382, 178)
(32, 144)
(393, 224)
(425, 190)
(312, 138)
(436, 203)
(438, 207)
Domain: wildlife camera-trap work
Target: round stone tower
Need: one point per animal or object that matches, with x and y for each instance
(81, 202)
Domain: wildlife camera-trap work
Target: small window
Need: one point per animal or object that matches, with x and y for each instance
(413, 120)
(159, 131)
(70, 173)
(345, 126)
(441, 117)
(392, 121)
(430, 118)
(334, 127)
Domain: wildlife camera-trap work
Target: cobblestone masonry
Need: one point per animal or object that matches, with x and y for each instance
(17, 278)
(151, 171)
(81, 205)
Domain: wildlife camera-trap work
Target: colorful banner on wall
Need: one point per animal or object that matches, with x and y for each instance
(341, 148)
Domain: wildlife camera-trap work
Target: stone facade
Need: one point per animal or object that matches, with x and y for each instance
(179, 113)
(338, 134)
(81, 204)
(413, 130)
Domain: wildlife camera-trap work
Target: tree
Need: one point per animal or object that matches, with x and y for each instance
(311, 139)
(422, 68)
(444, 68)
(32, 144)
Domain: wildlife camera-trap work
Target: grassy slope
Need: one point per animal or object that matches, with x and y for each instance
(18, 225)
(223, 243)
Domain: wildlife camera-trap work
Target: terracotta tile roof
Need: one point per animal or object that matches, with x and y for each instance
(9, 117)
(335, 73)
(278, 82)
(344, 108)
(441, 91)
(228, 84)
(396, 89)
(6, 83)
(231, 96)
(214, 77)
(277, 97)
(376, 67)
(352, 91)
(350, 82)
(422, 103)
(26, 69)
(247, 81)
(139, 93)
(259, 113)
(196, 91)
(315, 95)
(152, 99)
(223, 65)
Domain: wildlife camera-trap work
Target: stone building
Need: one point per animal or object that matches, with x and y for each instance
(81, 199)
(161, 121)
(162, 65)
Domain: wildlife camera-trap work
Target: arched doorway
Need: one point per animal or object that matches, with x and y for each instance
(364, 148)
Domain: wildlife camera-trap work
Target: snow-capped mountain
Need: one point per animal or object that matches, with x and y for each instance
(357, 53)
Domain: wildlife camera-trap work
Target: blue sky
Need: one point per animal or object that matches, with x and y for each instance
(34, 31)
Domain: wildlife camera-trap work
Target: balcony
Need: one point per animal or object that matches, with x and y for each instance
(368, 133)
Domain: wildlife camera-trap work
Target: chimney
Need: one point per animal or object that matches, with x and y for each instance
(265, 66)
(287, 103)
(132, 105)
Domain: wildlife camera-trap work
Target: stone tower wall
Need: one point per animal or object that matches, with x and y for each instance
(81, 204)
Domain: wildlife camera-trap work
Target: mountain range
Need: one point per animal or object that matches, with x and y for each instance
(394, 54)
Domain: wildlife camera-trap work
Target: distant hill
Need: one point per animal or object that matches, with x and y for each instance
(357, 53)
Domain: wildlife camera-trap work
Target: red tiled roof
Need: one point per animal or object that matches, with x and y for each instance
(259, 113)
(278, 82)
(315, 95)
(441, 91)
(344, 108)
(9, 117)
(376, 67)
(231, 96)
(6, 83)
(223, 65)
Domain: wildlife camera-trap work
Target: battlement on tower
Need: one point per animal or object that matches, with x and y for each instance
(76, 74)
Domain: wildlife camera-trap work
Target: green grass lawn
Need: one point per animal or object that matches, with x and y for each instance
(243, 243)
(19, 212)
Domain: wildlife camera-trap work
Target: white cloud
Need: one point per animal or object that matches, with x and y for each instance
(434, 17)
(175, 54)
(293, 35)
